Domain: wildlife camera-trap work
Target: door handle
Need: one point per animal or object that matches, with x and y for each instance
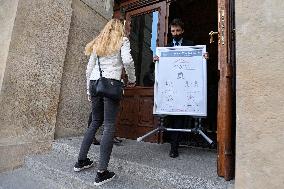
(211, 34)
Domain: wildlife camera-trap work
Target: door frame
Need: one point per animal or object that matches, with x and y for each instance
(226, 65)
(160, 6)
(140, 95)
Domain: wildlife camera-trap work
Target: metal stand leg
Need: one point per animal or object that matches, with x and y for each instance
(160, 128)
(206, 137)
(139, 139)
(197, 129)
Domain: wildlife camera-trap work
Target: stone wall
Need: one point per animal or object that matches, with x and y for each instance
(74, 108)
(7, 16)
(42, 72)
(260, 91)
(31, 84)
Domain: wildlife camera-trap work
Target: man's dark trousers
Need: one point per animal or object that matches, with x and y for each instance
(177, 121)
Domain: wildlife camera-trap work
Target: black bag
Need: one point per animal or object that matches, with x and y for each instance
(109, 88)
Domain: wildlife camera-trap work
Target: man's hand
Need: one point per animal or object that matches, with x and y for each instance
(206, 55)
(155, 58)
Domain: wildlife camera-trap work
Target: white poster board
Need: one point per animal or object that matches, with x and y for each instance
(181, 81)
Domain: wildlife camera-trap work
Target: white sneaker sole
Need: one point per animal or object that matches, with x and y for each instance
(85, 167)
(103, 182)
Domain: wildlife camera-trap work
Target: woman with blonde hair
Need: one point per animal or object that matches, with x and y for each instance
(109, 53)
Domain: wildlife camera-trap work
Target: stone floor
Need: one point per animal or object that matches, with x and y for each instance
(138, 165)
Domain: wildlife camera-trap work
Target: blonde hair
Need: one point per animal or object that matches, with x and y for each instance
(108, 41)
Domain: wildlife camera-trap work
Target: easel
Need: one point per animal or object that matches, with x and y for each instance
(161, 128)
(199, 82)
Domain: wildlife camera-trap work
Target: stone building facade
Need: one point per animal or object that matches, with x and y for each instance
(259, 93)
(42, 84)
(42, 66)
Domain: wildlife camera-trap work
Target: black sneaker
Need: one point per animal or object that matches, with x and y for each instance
(103, 177)
(85, 164)
(116, 140)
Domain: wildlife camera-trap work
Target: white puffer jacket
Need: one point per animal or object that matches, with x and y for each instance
(112, 65)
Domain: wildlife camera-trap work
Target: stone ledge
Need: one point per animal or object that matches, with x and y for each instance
(12, 156)
(25, 179)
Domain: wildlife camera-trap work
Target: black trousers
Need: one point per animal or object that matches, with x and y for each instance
(90, 119)
(104, 110)
(176, 122)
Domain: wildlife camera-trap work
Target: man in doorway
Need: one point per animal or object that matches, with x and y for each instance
(177, 121)
(177, 30)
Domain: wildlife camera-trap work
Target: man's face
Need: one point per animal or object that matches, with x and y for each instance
(177, 32)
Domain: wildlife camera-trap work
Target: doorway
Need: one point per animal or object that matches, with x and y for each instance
(200, 17)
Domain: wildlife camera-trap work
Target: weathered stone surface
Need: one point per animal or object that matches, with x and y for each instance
(25, 179)
(102, 7)
(12, 156)
(194, 168)
(137, 165)
(31, 85)
(7, 16)
(74, 108)
(260, 103)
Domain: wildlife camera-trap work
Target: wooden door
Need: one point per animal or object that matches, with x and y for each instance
(136, 113)
(225, 136)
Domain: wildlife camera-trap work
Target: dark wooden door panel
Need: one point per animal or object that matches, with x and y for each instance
(146, 118)
(136, 114)
(128, 111)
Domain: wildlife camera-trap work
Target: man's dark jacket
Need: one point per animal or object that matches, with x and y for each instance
(184, 43)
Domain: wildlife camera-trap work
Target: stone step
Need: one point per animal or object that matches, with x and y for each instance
(138, 165)
(194, 168)
(23, 178)
(58, 167)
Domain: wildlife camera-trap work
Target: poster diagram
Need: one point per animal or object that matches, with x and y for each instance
(181, 81)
